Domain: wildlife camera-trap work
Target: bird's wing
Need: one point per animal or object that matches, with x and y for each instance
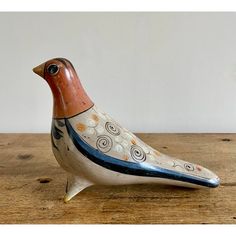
(105, 142)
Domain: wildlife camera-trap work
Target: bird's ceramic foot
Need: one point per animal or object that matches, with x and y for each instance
(75, 184)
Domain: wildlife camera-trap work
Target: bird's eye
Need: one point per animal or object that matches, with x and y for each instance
(52, 69)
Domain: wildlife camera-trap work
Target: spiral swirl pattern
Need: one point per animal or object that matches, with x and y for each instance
(112, 128)
(137, 153)
(189, 167)
(104, 143)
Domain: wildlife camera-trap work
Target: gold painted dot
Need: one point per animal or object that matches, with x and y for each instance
(81, 127)
(133, 141)
(157, 153)
(95, 118)
(125, 157)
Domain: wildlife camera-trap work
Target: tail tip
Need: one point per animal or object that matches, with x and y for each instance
(214, 182)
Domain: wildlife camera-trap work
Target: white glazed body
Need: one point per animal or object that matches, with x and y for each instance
(91, 126)
(94, 149)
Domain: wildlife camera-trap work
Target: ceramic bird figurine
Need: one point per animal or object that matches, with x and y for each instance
(94, 149)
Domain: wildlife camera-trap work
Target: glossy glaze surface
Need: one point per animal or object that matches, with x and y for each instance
(95, 149)
(69, 95)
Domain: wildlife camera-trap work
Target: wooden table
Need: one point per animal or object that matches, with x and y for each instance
(33, 185)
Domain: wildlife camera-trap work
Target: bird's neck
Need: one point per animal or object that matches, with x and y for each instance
(69, 98)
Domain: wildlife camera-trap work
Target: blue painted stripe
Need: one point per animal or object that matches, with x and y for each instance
(131, 168)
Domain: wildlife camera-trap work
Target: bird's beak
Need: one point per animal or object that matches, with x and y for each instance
(39, 70)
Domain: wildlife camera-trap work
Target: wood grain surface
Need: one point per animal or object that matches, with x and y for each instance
(33, 185)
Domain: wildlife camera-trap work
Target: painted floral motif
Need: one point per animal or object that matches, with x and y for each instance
(104, 143)
(137, 153)
(189, 167)
(104, 134)
(112, 128)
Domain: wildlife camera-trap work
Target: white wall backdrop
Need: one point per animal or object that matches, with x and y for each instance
(153, 72)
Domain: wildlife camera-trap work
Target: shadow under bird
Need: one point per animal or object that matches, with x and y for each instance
(94, 149)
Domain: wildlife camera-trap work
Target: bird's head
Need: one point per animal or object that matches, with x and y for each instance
(69, 96)
(57, 71)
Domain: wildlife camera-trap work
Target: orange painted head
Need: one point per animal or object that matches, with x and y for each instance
(68, 94)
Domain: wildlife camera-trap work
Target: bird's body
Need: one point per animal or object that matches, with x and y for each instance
(94, 149)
